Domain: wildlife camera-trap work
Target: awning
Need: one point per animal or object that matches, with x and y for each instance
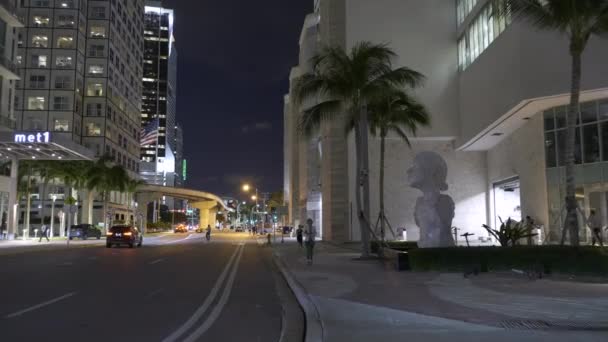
(41, 146)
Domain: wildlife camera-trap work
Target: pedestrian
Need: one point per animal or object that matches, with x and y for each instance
(208, 234)
(299, 236)
(44, 233)
(310, 233)
(595, 223)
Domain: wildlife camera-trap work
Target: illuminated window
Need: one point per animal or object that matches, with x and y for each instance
(36, 102)
(40, 21)
(63, 62)
(39, 61)
(65, 21)
(96, 70)
(40, 41)
(66, 4)
(98, 31)
(463, 8)
(95, 89)
(61, 125)
(482, 31)
(93, 129)
(65, 42)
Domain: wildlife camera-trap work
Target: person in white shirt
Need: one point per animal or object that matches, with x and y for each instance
(310, 234)
(595, 223)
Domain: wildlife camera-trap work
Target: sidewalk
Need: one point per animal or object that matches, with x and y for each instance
(357, 300)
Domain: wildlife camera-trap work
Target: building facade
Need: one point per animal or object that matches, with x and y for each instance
(497, 91)
(80, 67)
(159, 96)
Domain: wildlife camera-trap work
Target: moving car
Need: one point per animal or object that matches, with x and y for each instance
(180, 228)
(239, 229)
(84, 231)
(124, 235)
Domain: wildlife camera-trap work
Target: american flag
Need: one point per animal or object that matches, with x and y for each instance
(149, 134)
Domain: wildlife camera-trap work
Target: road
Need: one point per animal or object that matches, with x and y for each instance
(177, 287)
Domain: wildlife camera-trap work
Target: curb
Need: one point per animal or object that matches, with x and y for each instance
(314, 326)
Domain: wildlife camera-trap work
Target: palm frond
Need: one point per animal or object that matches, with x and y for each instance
(311, 119)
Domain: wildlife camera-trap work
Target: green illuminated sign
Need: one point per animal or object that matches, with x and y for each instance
(184, 169)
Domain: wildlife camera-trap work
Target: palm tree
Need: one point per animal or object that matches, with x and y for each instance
(342, 84)
(394, 112)
(578, 20)
(105, 178)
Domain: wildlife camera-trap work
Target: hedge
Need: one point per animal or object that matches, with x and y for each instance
(397, 245)
(558, 259)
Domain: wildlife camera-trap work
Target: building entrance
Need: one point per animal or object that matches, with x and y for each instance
(507, 203)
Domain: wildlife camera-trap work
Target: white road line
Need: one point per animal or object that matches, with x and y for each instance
(174, 241)
(217, 310)
(210, 298)
(156, 261)
(41, 305)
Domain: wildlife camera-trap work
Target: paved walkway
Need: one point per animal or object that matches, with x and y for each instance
(357, 300)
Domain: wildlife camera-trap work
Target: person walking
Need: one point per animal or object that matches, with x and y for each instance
(311, 234)
(44, 233)
(299, 235)
(595, 224)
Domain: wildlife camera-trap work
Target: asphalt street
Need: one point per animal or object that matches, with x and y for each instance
(177, 287)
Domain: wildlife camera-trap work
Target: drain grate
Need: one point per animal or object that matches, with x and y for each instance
(544, 325)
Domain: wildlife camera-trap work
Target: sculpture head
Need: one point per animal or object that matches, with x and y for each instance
(429, 172)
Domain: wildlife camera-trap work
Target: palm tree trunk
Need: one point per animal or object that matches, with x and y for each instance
(43, 195)
(382, 149)
(362, 192)
(571, 205)
(106, 217)
(28, 206)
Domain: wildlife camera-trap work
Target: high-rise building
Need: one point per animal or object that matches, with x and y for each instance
(159, 96)
(497, 91)
(178, 147)
(80, 68)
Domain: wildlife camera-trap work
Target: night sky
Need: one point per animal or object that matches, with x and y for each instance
(234, 63)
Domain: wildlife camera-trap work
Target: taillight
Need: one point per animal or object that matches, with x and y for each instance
(128, 234)
(109, 234)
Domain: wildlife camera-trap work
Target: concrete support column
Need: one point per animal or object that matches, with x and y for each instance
(207, 211)
(13, 201)
(88, 201)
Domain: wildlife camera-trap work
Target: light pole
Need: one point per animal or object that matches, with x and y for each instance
(54, 198)
(246, 188)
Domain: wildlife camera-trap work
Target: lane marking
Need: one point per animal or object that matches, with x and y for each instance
(217, 310)
(156, 261)
(210, 298)
(174, 241)
(41, 305)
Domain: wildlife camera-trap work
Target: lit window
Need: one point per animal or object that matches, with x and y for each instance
(66, 4)
(61, 125)
(63, 62)
(98, 32)
(96, 70)
(65, 21)
(65, 42)
(93, 129)
(35, 102)
(39, 61)
(40, 21)
(40, 41)
(95, 89)
(61, 103)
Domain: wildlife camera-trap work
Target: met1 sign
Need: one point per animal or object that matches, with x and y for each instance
(39, 137)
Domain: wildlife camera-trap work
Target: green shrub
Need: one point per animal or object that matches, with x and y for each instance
(397, 245)
(558, 259)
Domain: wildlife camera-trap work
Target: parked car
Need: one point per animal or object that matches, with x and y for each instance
(180, 229)
(124, 235)
(84, 231)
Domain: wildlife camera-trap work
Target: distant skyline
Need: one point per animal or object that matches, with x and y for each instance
(233, 71)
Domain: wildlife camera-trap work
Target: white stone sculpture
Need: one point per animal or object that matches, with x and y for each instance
(434, 211)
